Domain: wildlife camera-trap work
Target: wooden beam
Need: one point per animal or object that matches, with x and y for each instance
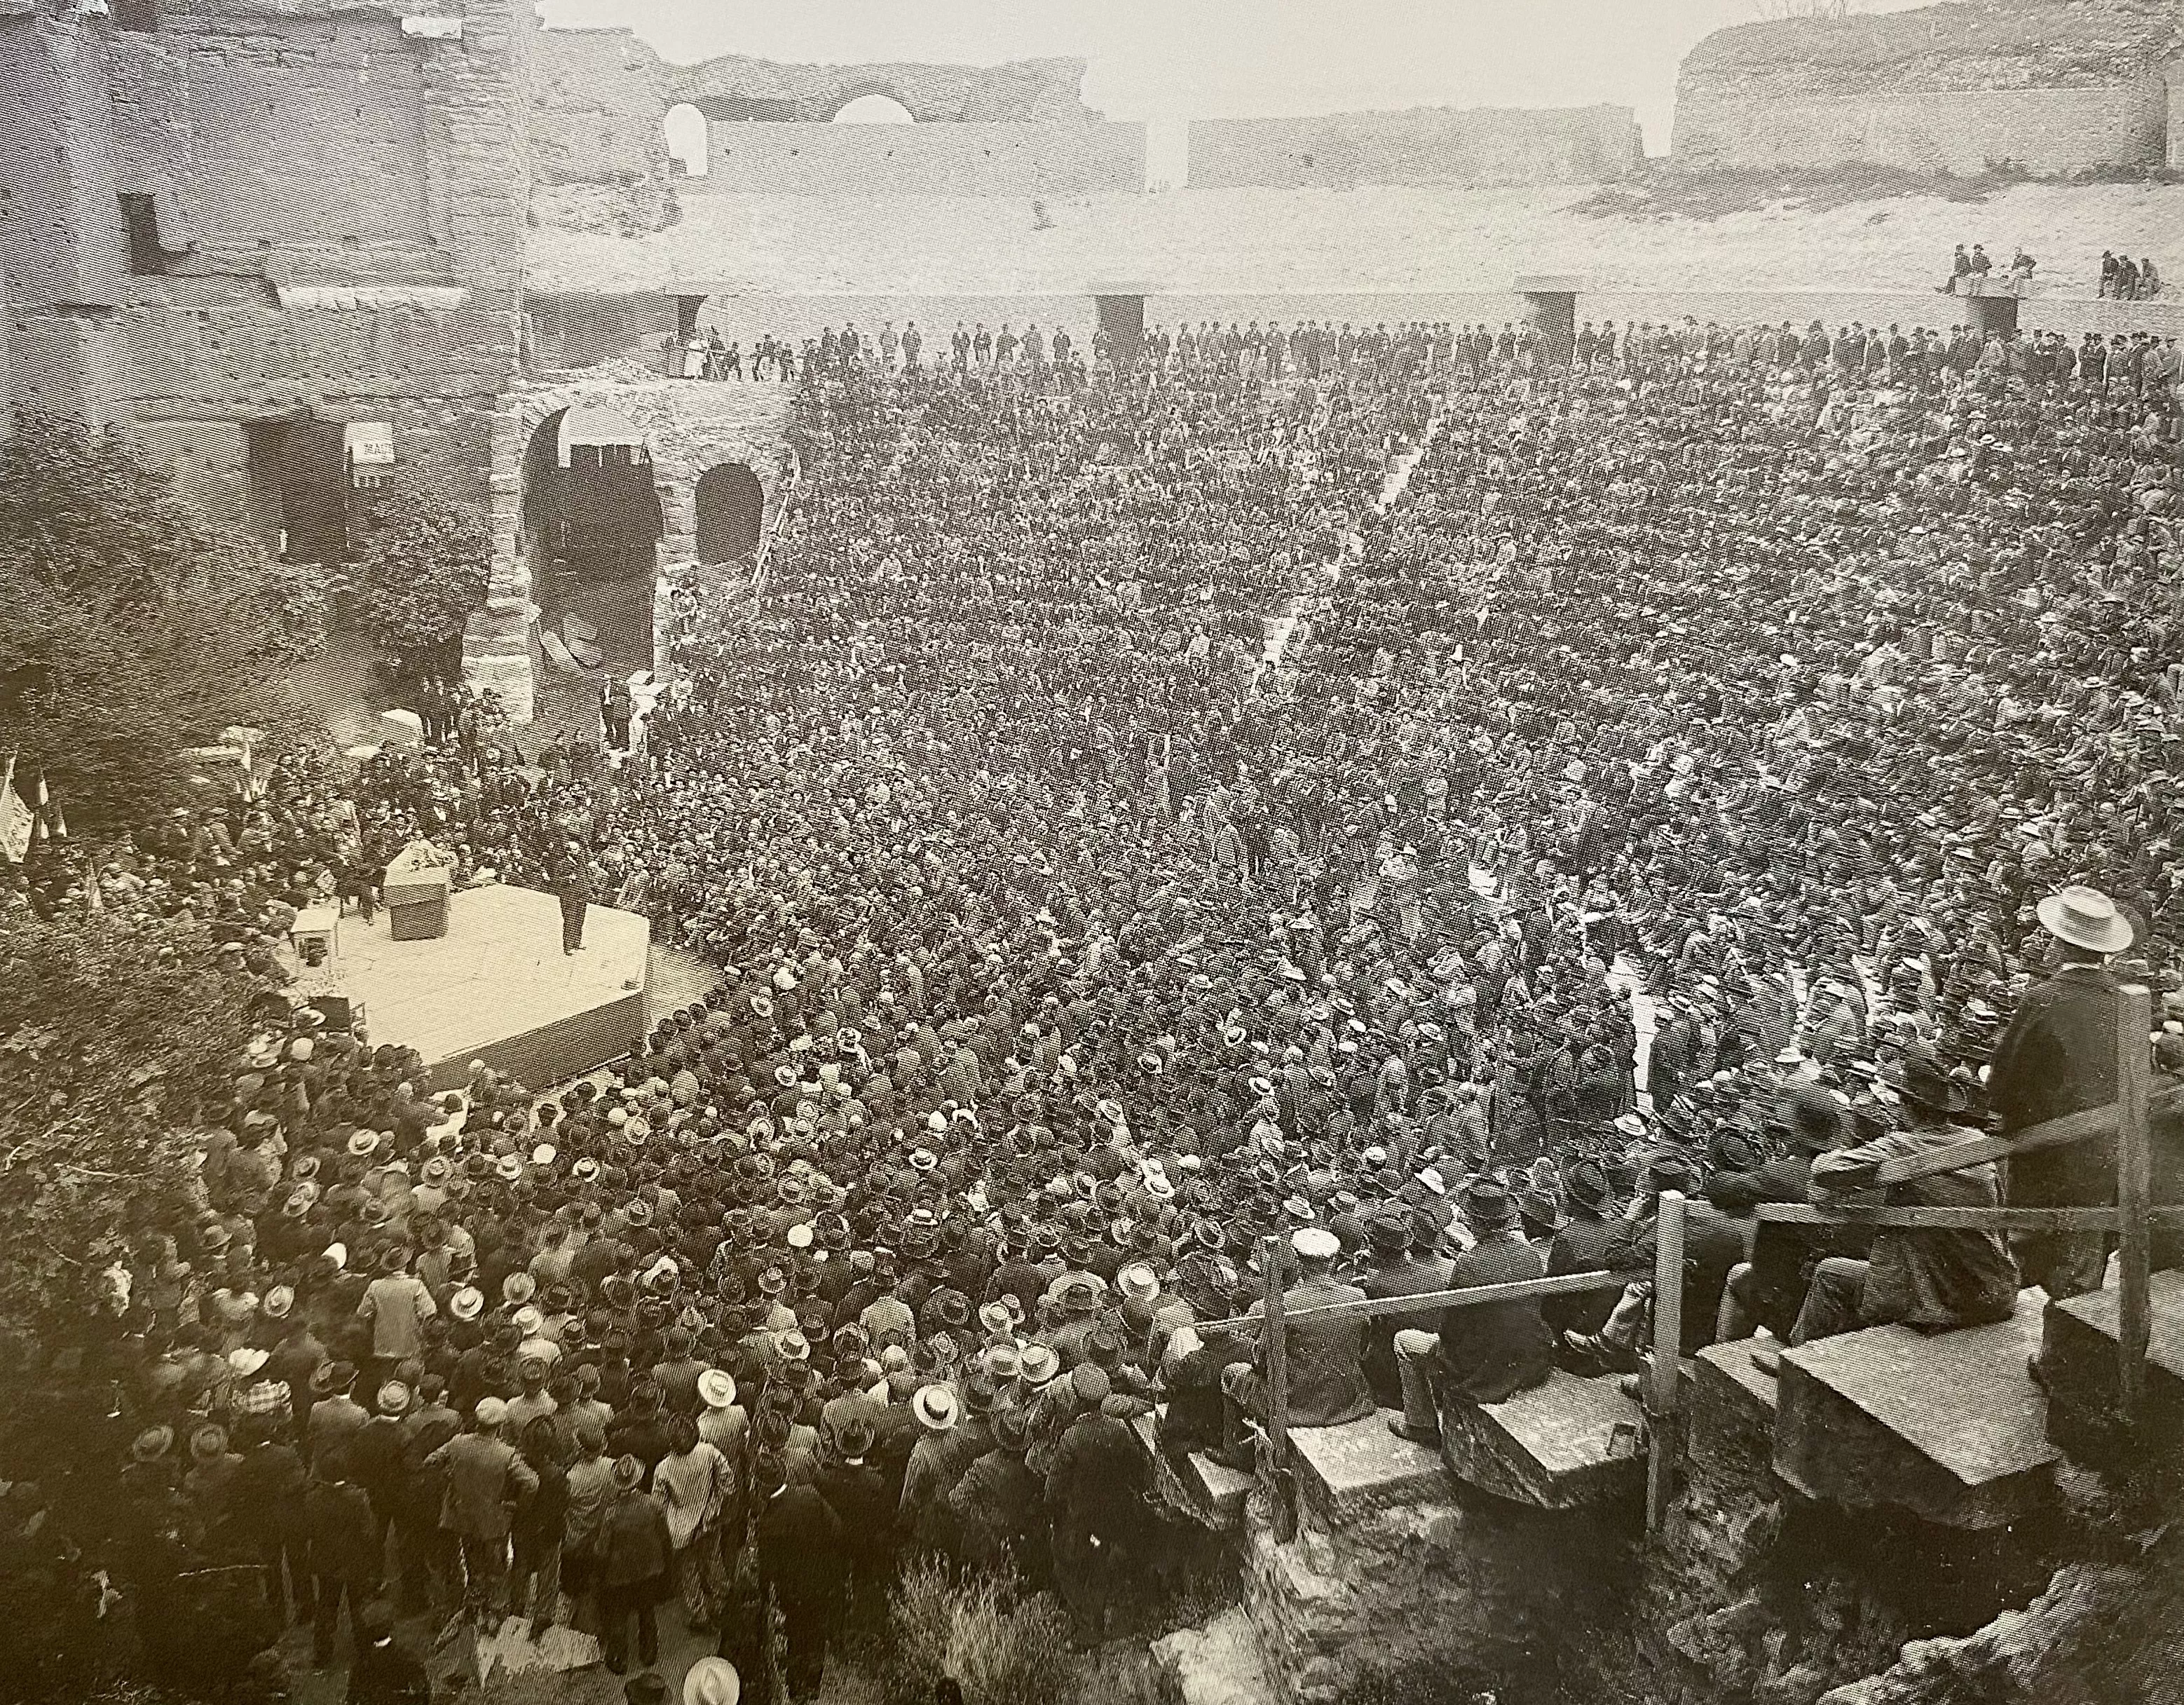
(1472, 1296)
(1960, 1218)
(1665, 1375)
(2051, 1133)
(1277, 1391)
(2134, 1191)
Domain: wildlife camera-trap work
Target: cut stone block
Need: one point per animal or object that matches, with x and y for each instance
(1730, 1405)
(1554, 1446)
(2078, 1361)
(1199, 1487)
(1345, 1471)
(1947, 1425)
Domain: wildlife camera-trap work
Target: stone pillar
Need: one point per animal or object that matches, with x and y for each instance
(1992, 312)
(497, 646)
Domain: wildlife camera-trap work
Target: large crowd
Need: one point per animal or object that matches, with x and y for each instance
(1401, 804)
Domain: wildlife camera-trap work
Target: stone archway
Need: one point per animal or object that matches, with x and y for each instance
(731, 513)
(873, 107)
(688, 430)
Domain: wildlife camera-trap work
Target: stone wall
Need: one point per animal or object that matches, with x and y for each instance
(689, 426)
(599, 151)
(61, 237)
(2056, 84)
(2045, 130)
(1429, 1597)
(1043, 91)
(301, 157)
(966, 158)
(1425, 146)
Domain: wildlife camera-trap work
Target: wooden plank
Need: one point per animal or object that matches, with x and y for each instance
(2134, 1191)
(1665, 1374)
(1277, 1391)
(2051, 1133)
(1560, 1285)
(1960, 1218)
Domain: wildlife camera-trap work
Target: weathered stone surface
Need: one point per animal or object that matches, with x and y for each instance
(1730, 1405)
(2099, 1636)
(1948, 1426)
(2078, 1358)
(1200, 1487)
(1343, 1472)
(1438, 1595)
(1221, 1663)
(1555, 1446)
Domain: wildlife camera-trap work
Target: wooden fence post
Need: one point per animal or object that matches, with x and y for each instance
(1664, 1377)
(1278, 1393)
(2134, 1189)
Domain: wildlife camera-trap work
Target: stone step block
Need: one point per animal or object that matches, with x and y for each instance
(1198, 1486)
(1947, 1425)
(2079, 1365)
(1567, 1442)
(1346, 1471)
(1729, 1406)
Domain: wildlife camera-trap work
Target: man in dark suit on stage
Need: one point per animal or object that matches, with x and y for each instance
(571, 874)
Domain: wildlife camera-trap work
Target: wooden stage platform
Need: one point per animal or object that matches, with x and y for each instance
(498, 987)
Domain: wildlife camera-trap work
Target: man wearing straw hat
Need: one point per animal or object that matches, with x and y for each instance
(2057, 1057)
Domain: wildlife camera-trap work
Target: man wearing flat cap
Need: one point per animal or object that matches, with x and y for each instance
(2057, 1057)
(1327, 1384)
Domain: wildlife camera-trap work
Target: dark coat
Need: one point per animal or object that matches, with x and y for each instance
(2057, 1057)
(1097, 1473)
(633, 1545)
(1412, 1275)
(1494, 1350)
(1584, 1246)
(1783, 1256)
(1326, 1357)
(1933, 1280)
(799, 1548)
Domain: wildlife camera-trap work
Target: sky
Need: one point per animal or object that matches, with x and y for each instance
(1174, 59)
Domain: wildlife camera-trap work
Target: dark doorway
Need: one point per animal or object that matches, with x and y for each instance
(313, 464)
(590, 530)
(1122, 318)
(614, 512)
(731, 513)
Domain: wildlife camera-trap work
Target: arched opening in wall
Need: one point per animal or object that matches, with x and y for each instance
(590, 526)
(688, 143)
(731, 507)
(874, 109)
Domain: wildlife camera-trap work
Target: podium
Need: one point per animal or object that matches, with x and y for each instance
(416, 894)
(315, 932)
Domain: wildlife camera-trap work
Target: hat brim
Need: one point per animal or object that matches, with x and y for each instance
(2055, 919)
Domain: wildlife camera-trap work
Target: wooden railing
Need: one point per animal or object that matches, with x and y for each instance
(2129, 1118)
(1663, 1387)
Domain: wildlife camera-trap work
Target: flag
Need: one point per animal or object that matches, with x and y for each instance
(17, 819)
(50, 810)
